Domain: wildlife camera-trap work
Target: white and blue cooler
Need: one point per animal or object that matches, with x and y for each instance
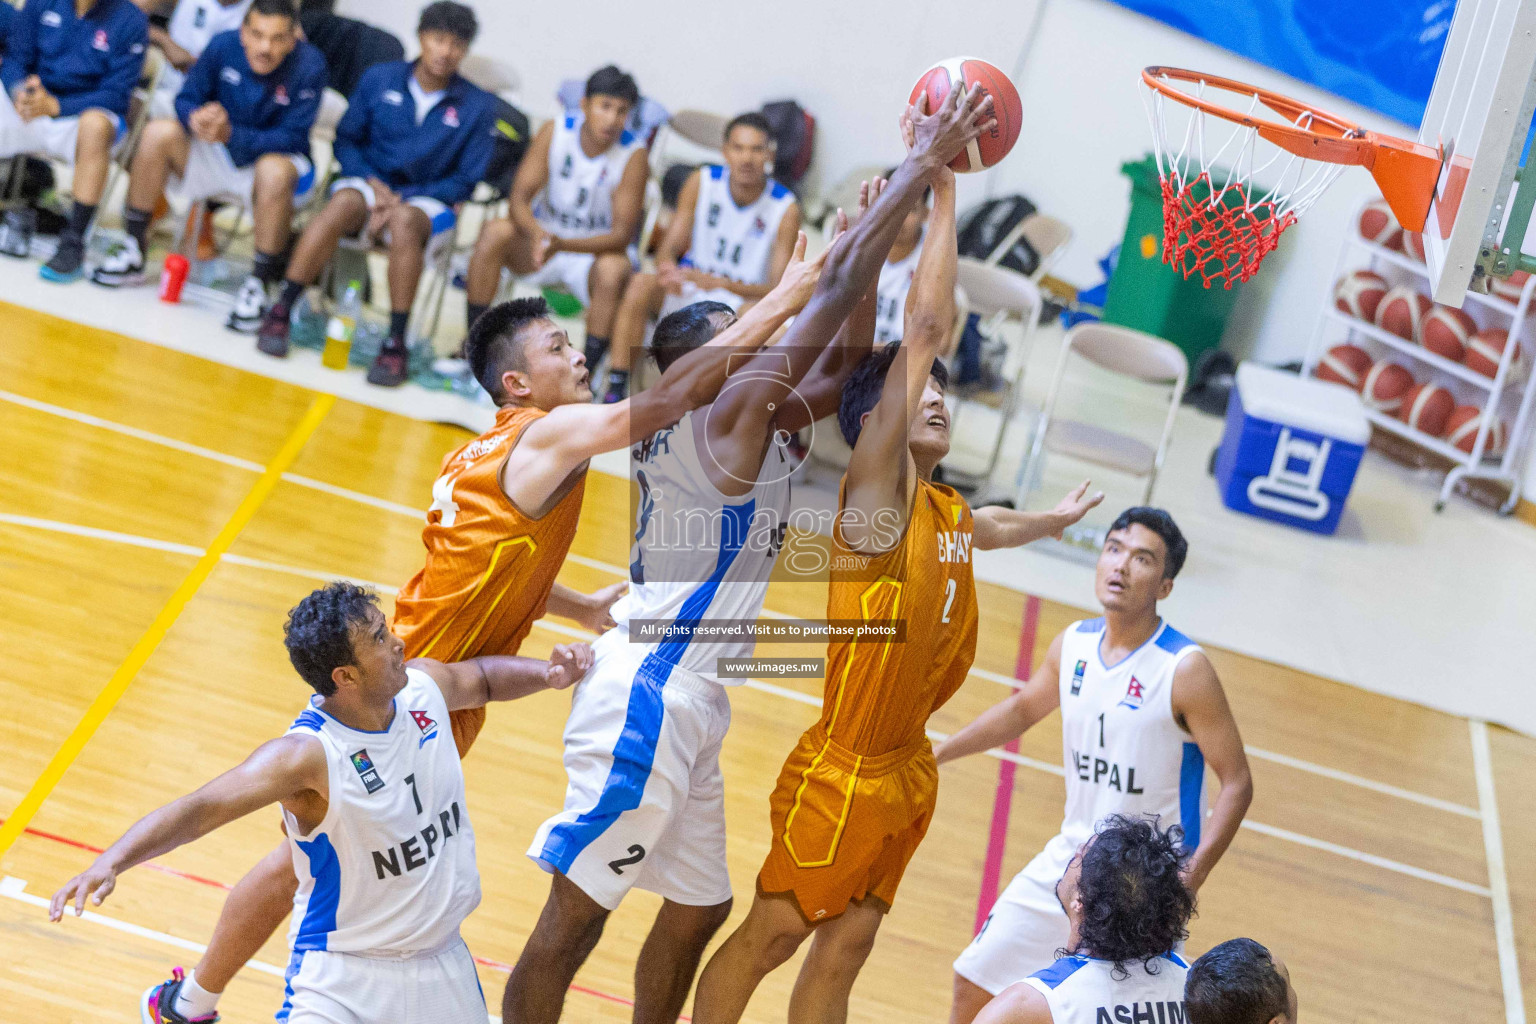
(1291, 448)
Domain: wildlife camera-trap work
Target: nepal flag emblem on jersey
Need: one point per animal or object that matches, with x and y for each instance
(426, 725)
(1133, 694)
(451, 117)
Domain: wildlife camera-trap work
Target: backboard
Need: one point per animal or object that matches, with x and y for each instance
(1480, 111)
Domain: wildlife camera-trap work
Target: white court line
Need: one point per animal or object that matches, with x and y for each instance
(1366, 858)
(1498, 879)
(132, 540)
(16, 889)
(593, 563)
(127, 431)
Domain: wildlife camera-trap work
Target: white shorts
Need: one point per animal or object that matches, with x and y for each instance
(439, 213)
(380, 988)
(570, 270)
(693, 293)
(1025, 928)
(644, 800)
(54, 137)
(212, 172)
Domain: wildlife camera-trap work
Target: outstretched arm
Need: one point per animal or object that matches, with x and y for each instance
(1011, 717)
(1200, 705)
(479, 681)
(881, 474)
(285, 769)
(589, 610)
(555, 445)
(998, 527)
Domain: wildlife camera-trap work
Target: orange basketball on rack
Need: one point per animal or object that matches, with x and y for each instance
(1413, 245)
(1446, 331)
(1509, 287)
(1427, 407)
(993, 145)
(1385, 385)
(1402, 311)
(1345, 364)
(1359, 293)
(1461, 431)
(1486, 349)
(1377, 225)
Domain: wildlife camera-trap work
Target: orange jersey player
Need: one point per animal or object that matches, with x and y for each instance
(858, 791)
(503, 514)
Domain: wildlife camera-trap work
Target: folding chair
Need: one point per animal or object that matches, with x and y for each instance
(1047, 235)
(690, 136)
(1125, 352)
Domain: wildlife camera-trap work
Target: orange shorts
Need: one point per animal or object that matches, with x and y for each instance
(844, 826)
(466, 725)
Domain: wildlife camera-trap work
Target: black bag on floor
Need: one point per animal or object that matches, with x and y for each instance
(982, 229)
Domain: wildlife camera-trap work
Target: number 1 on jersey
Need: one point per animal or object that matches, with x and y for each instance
(1101, 728)
(410, 780)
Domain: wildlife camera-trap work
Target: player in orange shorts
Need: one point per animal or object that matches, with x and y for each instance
(857, 793)
(503, 513)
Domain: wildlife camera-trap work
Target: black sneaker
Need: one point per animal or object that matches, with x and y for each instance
(272, 337)
(16, 232)
(68, 263)
(158, 1005)
(389, 369)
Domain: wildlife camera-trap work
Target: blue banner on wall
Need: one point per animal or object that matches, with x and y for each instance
(1382, 54)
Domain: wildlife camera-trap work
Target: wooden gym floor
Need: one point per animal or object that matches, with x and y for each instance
(147, 495)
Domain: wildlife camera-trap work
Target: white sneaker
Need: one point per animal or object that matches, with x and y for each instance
(250, 304)
(122, 267)
(451, 366)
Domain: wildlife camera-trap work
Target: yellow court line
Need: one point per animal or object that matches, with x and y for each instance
(17, 822)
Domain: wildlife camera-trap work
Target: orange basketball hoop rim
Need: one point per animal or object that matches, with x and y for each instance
(1405, 171)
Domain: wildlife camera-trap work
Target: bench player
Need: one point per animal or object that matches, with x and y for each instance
(901, 549)
(1142, 714)
(729, 242)
(372, 797)
(504, 511)
(575, 208)
(1127, 908)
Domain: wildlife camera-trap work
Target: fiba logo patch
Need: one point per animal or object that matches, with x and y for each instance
(1077, 677)
(426, 725)
(366, 771)
(1133, 694)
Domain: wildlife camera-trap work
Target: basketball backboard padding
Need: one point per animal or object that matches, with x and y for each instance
(1480, 112)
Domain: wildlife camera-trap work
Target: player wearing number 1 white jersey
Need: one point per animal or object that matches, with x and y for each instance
(1127, 907)
(1143, 714)
(372, 797)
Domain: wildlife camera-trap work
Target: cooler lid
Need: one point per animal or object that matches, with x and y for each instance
(1318, 406)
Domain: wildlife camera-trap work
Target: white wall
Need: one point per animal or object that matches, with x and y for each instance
(852, 65)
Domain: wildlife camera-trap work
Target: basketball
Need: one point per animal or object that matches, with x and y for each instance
(1510, 287)
(1461, 431)
(1413, 245)
(1345, 364)
(1402, 311)
(1385, 385)
(1446, 331)
(1486, 349)
(1427, 407)
(1359, 293)
(1379, 226)
(993, 145)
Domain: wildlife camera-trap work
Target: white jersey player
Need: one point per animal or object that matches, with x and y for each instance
(644, 803)
(1143, 714)
(372, 797)
(728, 242)
(1127, 907)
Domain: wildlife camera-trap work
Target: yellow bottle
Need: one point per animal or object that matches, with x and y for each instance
(340, 327)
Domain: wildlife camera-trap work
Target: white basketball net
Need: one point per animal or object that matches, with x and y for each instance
(1220, 220)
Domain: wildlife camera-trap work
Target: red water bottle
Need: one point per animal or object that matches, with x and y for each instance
(172, 276)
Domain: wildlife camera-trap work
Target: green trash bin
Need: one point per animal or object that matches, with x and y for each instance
(1147, 294)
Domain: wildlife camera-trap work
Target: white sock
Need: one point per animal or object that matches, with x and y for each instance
(194, 1001)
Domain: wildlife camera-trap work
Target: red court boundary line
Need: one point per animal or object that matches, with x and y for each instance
(495, 965)
(1002, 802)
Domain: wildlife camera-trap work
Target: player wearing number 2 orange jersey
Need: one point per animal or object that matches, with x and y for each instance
(856, 794)
(503, 514)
